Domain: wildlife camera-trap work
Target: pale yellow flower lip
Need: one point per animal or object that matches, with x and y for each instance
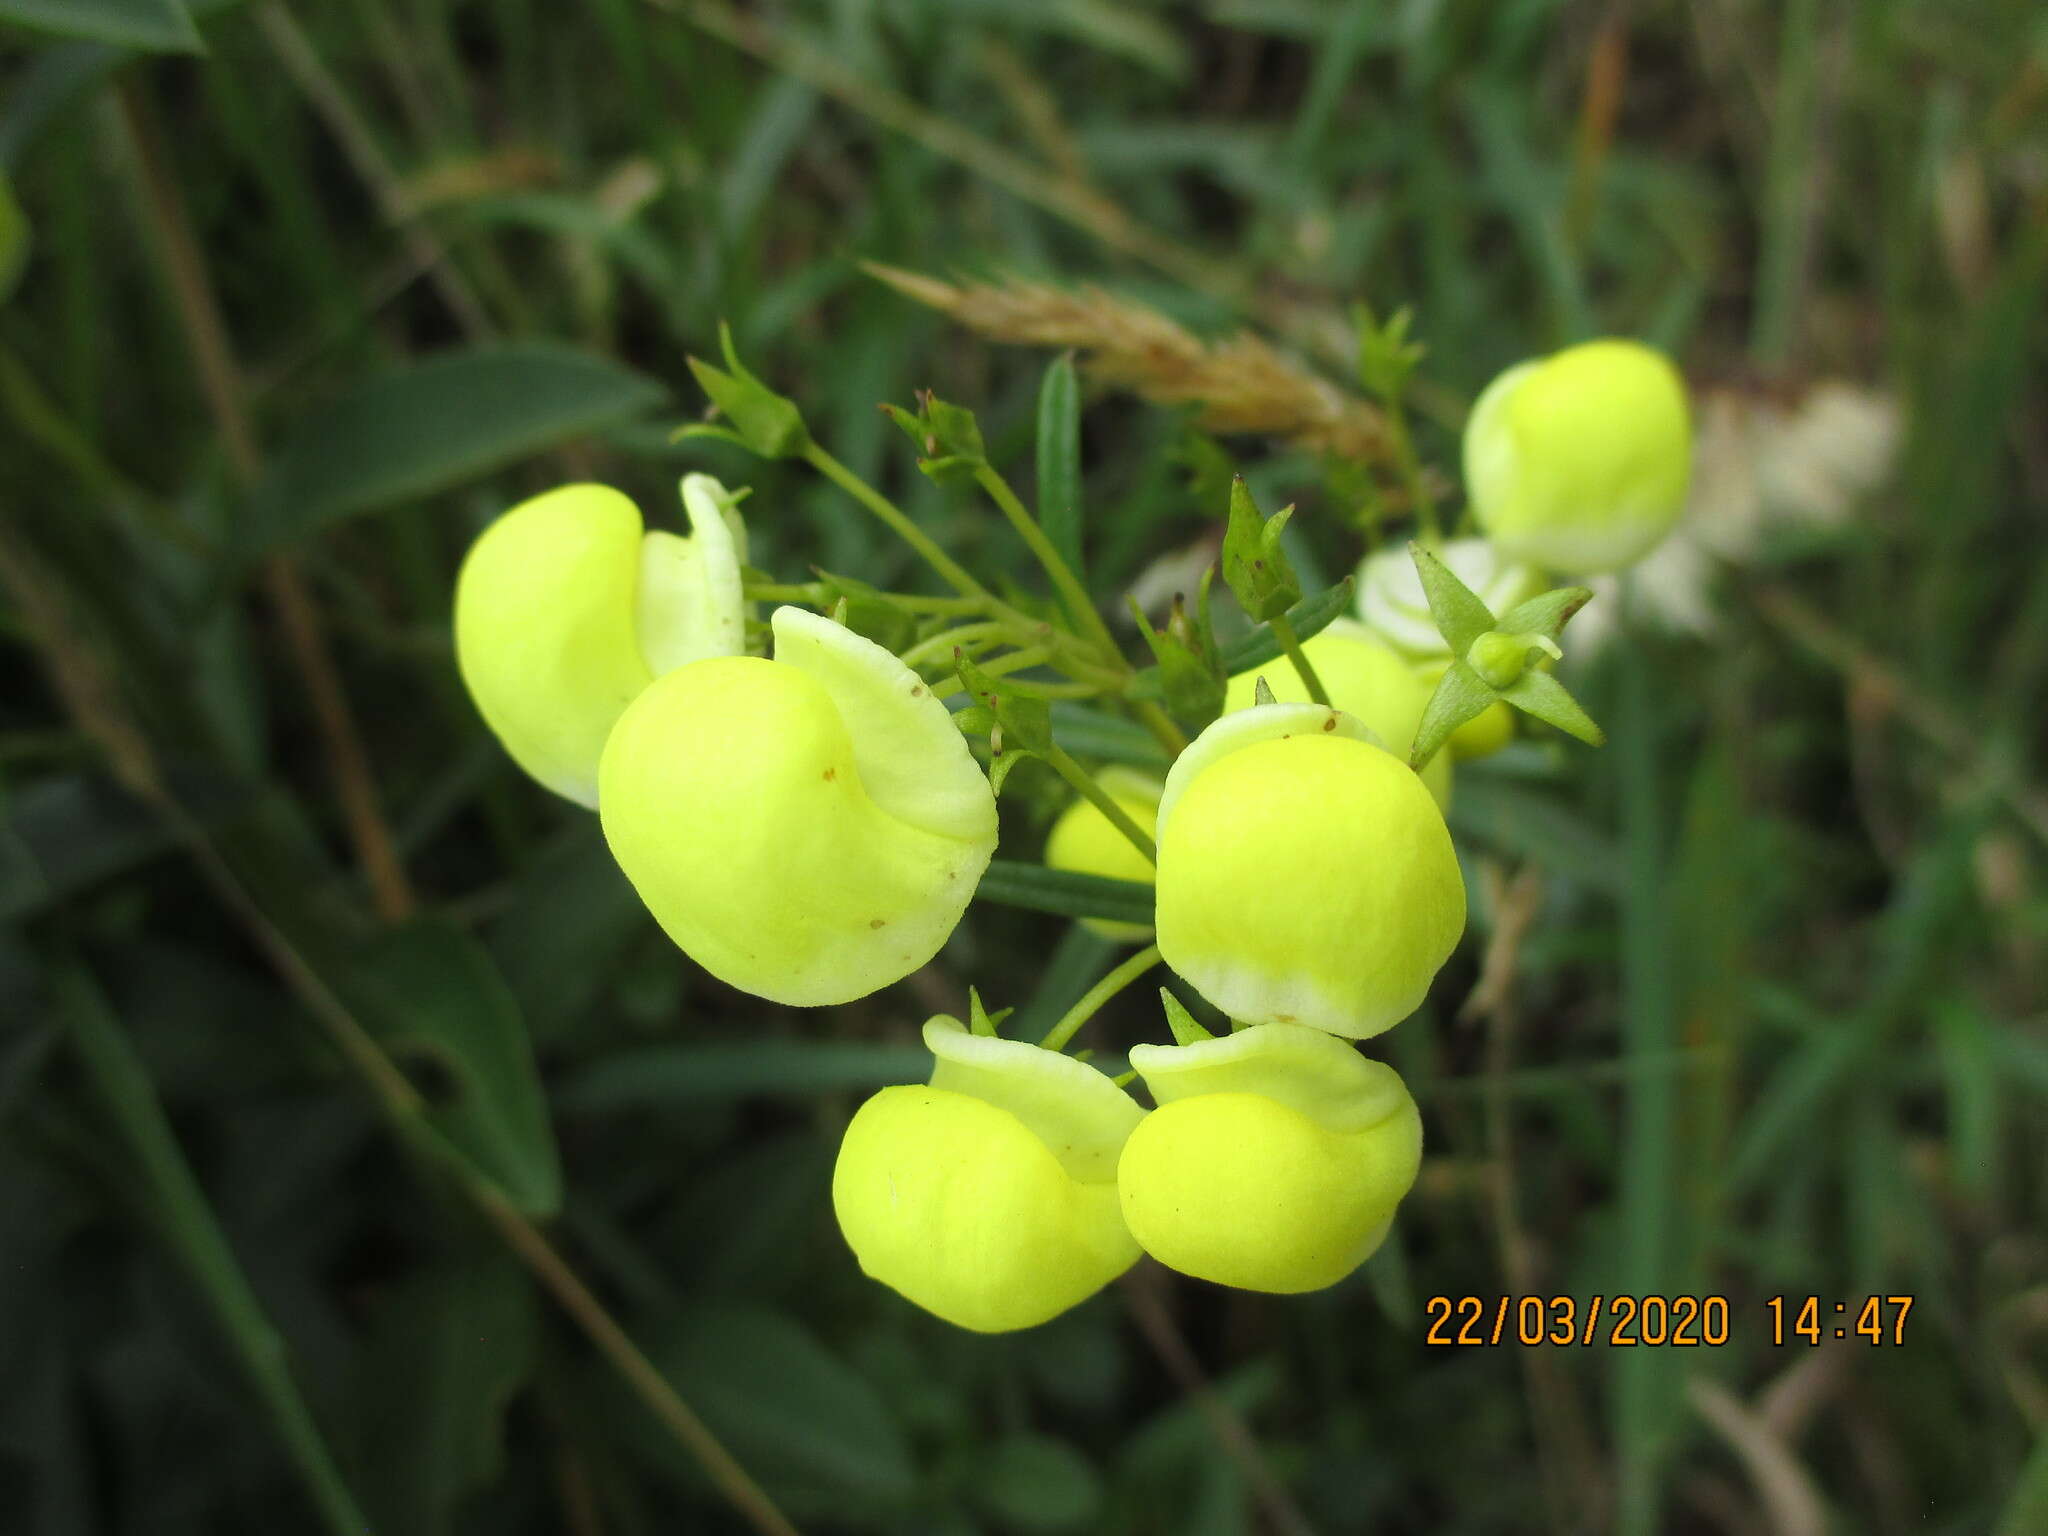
(809, 829)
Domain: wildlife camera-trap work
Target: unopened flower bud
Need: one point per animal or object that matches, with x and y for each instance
(1580, 461)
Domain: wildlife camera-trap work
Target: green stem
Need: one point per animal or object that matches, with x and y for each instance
(1092, 1000)
(1072, 593)
(1160, 724)
(1291, 644)
(898, 521)
(941, 645)
(1420, 500)
(1063, 764)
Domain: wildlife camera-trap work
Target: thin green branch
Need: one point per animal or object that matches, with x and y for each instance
(1072, 593)
(1085, 784)
(1092, 1000)
(898, 521)
(1290, 643)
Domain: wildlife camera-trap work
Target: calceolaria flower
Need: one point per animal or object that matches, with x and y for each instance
(809, 828)
(1366, 679)
(1580, 461)
(1084, 840)
(1305, 873)
(989, 1198)
(1392, 605)
(566, 609)
(1274, 1161)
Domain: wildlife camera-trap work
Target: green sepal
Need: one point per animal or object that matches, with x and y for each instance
(1310, 616)
(1254, 564)
(868, 611)
(1186, 1029)
(1536, 692)
(1191, 676)
(1026, 721)
(1002, 759)
(948, 438)
(1460, 616)
(1386, 357)
(1546, 613)
(979, 1020)
(762, 420)
(975, 720)
(1461, 695)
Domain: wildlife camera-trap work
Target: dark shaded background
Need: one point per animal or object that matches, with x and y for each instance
(1774, 1021)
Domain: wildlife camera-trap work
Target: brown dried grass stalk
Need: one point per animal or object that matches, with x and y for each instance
(1241, 383)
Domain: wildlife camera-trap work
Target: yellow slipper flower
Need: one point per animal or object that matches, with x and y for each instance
(1305, 874)
(808, 829)
(1580, 461)
(1084, 841)
(565, 609)
(1366, 679)
(989, 1198)
(1274, 1161)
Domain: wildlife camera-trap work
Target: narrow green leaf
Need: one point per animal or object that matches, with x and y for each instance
(1098, 735)
(419, 429)
(432, 996)
(795, 1414)
(14, 240)
(1011, 883)
(449, 1347)
(1254, 564)
(170, 1194)
(1059, 461)
(663, 1075)
(1460, 616)
(162, 26)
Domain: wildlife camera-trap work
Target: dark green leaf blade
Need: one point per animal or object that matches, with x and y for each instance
(423, 428)
(162, 26)
(1059, 461)
(1065, 893)
(432, 996)
(172, 1195)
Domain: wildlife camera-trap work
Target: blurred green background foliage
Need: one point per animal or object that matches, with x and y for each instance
(301, 296)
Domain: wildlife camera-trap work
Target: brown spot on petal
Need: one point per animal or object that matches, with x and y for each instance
(1330, 724)
(877, 922)
(917, 692)
(1283, 1018)
(831, 773)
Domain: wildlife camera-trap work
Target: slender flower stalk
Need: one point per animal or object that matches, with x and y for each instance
(1093, 999)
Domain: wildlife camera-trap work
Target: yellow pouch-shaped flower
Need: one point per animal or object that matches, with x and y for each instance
(1363, 677)
(989, 1198)
(1580, 461)
(808, 829)
(565, 610)
(1392, 605)
(1084, 841)
(1305, 874)
(1274, 1161)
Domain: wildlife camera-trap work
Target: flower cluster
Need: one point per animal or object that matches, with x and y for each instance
(808, 816)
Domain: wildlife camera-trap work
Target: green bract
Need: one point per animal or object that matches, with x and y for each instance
(1392, 604)
(1083, 840)
(1305, 874)
(565, 610)
(809, 828)
(1580, 461)
(1366, 679)
(989, 1198)
(1274, 1161)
